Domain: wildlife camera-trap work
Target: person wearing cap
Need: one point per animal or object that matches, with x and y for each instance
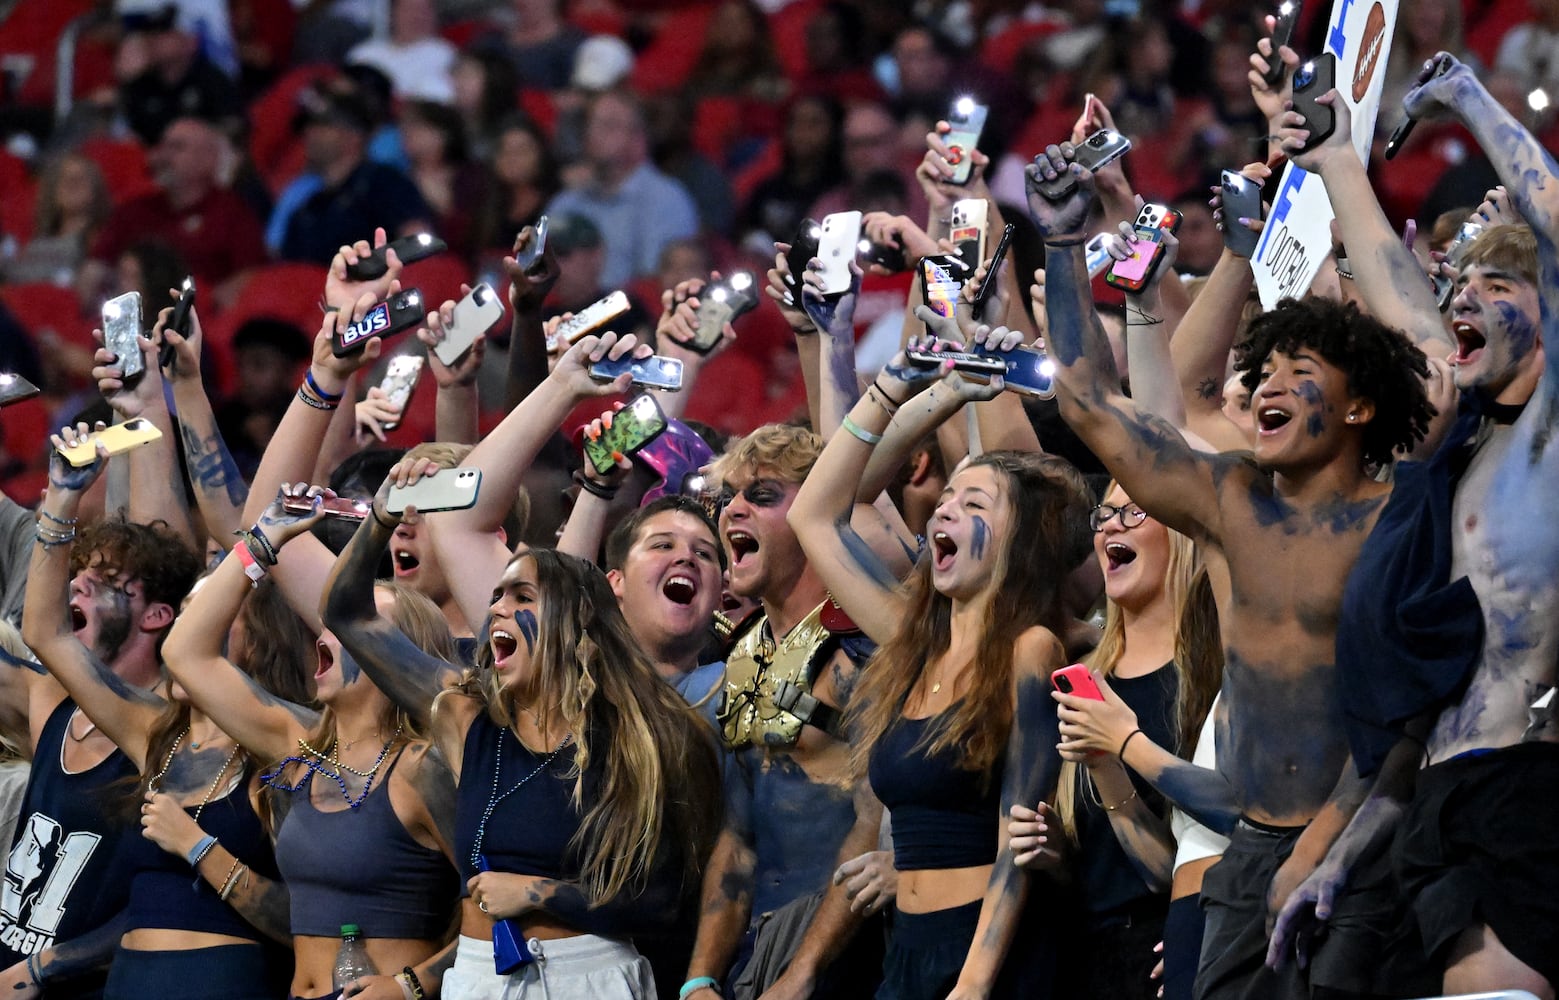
(637, 208)
(179, 78)
(355, 194)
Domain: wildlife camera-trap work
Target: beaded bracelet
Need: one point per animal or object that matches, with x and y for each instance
(594, 488)
(329, 397)
(231, 882)
(410, 976)
(67, 522)
(54, 541)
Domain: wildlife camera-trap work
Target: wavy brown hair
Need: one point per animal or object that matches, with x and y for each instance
(1048, 500)
(659, 786)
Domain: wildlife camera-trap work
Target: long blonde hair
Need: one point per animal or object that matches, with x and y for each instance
(1198, 660)
(659, 782)
(1049, 503)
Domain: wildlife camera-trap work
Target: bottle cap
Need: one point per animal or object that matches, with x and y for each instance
(349, 930)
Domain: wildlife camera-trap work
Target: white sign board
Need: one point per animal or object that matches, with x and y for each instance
(1298, 234)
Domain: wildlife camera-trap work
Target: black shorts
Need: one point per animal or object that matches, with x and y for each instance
(1234, 898)
(1479, 846)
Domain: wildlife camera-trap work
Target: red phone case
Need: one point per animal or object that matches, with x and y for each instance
(1076, 680)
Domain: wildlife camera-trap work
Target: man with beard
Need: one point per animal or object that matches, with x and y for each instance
(63, 897)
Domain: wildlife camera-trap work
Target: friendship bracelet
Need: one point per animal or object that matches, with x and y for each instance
(35, 970)
(859, 434)
(303, 394)
(54, 543)
(1122, 801)
(308, 380)
(231, 883)
(886, 394)
(1120, 754)
(698, 983)
(594, 488)
(202, 847)
(410, 975)
(69, 523)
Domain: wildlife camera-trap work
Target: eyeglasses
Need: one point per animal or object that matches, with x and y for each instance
(1131, 515)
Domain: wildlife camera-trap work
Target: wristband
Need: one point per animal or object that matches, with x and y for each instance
(859, 433)
(308, 380)
(409, 977)
(594, 488)
(35, 970)
(202, 847)
(303, 394)
(1120, 754)
(381, 522)
(886, 394)
(697, 983)
(267, 550)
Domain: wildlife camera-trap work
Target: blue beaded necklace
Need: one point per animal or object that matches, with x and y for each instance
(495, 798)
(315, 762)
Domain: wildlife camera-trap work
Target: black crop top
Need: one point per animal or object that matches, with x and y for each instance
(166, 893)
(943, 815)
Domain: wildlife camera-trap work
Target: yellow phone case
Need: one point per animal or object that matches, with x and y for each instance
(117, 439)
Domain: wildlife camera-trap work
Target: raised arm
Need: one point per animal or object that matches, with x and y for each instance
(125, 713)
(1200, 349)
(220, 491)
(265, 725)
(527, 343)
(1145, 453)
(456, 408)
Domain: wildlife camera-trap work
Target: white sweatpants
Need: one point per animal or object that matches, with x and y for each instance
(578, 968)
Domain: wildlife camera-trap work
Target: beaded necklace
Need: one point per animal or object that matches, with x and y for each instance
(495, 798)
(316, 761)
(156, 782)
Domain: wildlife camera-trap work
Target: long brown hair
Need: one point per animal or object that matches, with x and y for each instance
(659, 785)
(1049, 503)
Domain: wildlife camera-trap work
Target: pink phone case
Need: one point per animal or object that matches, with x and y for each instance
(1135, 268)
(1076, 680)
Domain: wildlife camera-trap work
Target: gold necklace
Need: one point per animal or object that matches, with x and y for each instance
(335, 761)
(156, 783)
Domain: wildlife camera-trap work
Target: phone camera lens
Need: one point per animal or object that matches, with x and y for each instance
(1064, 685)
(1097, 141)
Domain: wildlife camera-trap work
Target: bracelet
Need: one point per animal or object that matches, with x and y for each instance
(54, 541)
(202, 847)
(303, 394)
(698, 983)
(886, 394)
(69, 523)
(381, 522)
(1120, 754)
(1343, 270)
(1121, 802)
(328, 397)
(35, 970)
(410, 975)
(1143, 318)
(253, 568)
(254, 536)
(231, 882)
(595, 489)
(406, 993)
(1064, 241)
(860, 434)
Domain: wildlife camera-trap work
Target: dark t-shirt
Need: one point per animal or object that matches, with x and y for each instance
(372, 195)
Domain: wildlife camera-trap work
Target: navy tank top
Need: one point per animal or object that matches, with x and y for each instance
(943, 815)
(166, 893)
(361, 866)
(65, 874)
(529, 831)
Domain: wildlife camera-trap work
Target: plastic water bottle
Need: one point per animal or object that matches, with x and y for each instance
(352, 961)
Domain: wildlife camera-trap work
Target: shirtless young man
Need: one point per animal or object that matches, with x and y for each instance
(1280, 530)
(1488, 763)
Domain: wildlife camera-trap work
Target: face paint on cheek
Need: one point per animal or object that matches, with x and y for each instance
(525, 621)
(979, 535)
(1520, 335)
(1308, 391)
(350, 671)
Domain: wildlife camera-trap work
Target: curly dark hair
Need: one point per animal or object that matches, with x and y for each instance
(122, 550)
(1380, 363)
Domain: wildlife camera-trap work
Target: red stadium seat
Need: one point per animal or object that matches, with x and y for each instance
(26, 430)
(288, 292)
(123, 162)
(30, 34)
(18, 206)
(40, 307)
(270, 116)
(670, 58)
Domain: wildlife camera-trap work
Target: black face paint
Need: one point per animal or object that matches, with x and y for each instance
(525, 621)
(113, 624)
(980, 534)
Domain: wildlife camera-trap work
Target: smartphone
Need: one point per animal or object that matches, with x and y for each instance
(449, 489)
(122, 333)
(1097, 251)
(885, 255)
(992, 273)
(168, 358)
(1312, 80)
(1030, 372)
(1282, 34)
(1098, 150)
(968, 231)
(654, 372)
(1134, 273)
(941, 279)
(400, 380)
(633, 427)
(1456, 250)
(974, 362)
(14, 389)
(399, 312)
(836, 249)
(346, 508)
(1076, 680)
(409, 249)
(474, 316)
(967, 117)
(117, 439)
(1156, 216)
(531, 255)
(1241, 200)
(803, 247)
(1401, 132)
(591, 319)
(722, 302)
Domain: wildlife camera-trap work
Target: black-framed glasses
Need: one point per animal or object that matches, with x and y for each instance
(1131, 515)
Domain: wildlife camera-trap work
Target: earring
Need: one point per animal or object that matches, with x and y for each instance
(1352, 417)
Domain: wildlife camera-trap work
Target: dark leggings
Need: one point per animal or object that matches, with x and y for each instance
(225, 972)
(1182, 946)
(927, 951)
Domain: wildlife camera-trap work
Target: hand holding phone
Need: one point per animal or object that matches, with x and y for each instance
(653, 372)
(474, 315)
(408, 249)
(1135, 272)
(116, 440)
(719, 303)
(967, 118)
(633, 427)
(168, 358)
(993, 272)
(1241, 199)
(1103, 147)
(836, 248)
(448, 489)
(1076, 680)
(531, 255)
(1287, 17)
(399, 312)
(1312, 81)
(122, 335)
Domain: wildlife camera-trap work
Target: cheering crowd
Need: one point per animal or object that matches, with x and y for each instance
(1064, 638)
